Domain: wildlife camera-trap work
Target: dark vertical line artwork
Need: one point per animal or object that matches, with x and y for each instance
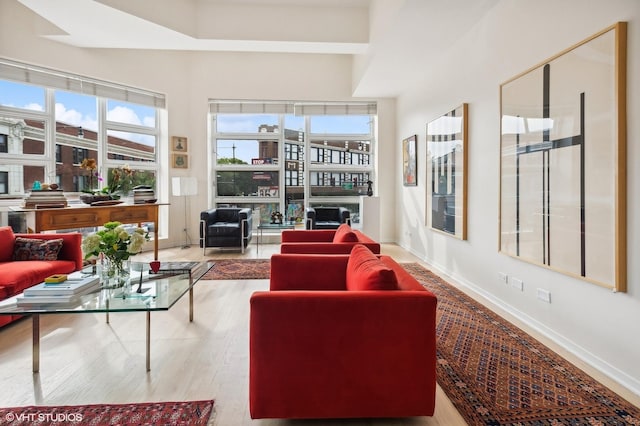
(563, 198)
(546, 147)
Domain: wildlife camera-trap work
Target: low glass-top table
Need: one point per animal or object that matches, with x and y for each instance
(158, 292)
(271, 227)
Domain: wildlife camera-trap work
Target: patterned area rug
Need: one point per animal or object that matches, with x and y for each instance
(148, 413)
(496, 374)
(239, 269)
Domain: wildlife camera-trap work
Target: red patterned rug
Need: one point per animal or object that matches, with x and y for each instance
(496, 374)
(239, 269)
(148, 413)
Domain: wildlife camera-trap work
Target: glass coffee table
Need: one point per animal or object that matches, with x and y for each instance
(158, 292)
(271, 227)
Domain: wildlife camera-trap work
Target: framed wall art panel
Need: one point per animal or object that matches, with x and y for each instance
(563, 161)
(179, 144)
(409, 161)
(447, 172)
(180, 161)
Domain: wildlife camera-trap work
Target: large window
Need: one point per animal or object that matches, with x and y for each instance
(287, 156)
(48, 129)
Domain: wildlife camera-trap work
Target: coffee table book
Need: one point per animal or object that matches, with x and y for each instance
(69, 287)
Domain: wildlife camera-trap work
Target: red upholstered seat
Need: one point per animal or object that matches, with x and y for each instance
(318, 350)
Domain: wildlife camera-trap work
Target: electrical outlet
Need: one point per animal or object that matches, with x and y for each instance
(544, 295)
(504, 278)
(517, 283)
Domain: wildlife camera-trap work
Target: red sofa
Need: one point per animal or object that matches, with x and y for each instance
(320, 348)
(17, 275)
(325, 241)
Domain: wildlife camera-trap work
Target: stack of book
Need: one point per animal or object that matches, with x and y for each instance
(45, 199)
(63, 293)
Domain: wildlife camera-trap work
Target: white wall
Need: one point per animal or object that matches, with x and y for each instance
(597, 324)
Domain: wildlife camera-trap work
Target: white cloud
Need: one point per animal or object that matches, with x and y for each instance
(122, 114)
(34, 107)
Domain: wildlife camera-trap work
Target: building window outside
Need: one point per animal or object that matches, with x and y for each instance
(327, 159)
(4, 144)
(4, 182)
(27, 153)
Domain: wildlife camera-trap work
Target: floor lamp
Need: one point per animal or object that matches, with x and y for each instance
(183, 187)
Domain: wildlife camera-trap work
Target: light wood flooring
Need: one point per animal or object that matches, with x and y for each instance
(83, 360)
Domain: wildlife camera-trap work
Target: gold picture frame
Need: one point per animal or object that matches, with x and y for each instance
(179, 144)
(180, 161)
(447, 140)
(563, 161)
(409, 161)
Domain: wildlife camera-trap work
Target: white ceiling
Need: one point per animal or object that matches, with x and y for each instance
(413, 33)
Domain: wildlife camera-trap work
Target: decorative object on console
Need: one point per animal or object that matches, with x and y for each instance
(276, 217)
(120, 182)
(50, 198)
(144, 194)
(113, 245)
(369, 189)
(91, 166)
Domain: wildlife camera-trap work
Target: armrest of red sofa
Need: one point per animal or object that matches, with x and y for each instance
(311, 236)
(71, 245)
(308, 272)
(342, 354)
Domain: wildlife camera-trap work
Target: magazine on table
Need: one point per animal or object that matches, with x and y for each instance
(68, 287)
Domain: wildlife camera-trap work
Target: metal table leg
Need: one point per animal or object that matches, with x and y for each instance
(148, 340)
(35, 328)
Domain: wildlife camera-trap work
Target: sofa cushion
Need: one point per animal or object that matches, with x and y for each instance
(344, 234)
(6, 243)
(36, 249)
(366, 272)
(17, 276)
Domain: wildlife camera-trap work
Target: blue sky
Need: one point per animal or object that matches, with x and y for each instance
(80, 110)
(73, 108)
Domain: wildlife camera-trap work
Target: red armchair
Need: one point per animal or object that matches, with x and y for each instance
(325, 241)
(335, 353)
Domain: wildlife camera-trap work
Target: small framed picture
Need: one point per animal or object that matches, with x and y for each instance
(179, 143)
(180, 161)
(409, 161)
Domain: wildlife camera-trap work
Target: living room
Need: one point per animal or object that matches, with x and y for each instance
(416, 61)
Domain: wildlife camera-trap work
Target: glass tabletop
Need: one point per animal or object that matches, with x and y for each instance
(159, 292)
(283, 225)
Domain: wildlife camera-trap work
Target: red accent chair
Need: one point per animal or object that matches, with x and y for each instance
(322, 346)
(325, 241)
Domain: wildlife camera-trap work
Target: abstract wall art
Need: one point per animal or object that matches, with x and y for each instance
(563, 161)
(447, 172)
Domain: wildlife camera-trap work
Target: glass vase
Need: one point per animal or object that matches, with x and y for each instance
(115, 273)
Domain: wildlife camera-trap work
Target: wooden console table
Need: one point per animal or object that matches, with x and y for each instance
(80, 216)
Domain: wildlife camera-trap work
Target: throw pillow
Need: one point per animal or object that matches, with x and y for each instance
(36, 249)
(6, 243)
(344, 234)
(366, 272)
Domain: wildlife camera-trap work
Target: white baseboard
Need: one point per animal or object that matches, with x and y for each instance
(589, 358)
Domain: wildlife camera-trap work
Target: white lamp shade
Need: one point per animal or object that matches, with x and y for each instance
(184, 185)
